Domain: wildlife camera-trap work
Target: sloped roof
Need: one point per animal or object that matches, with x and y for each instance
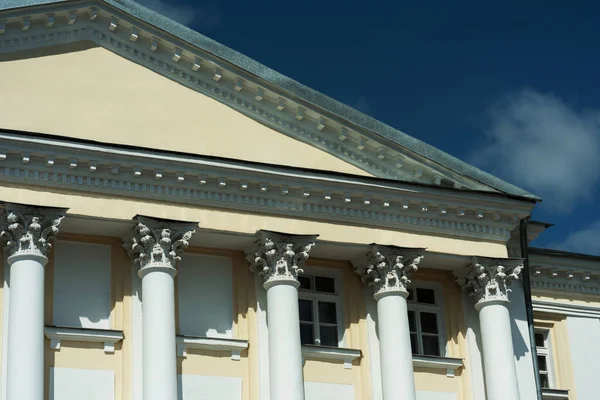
(297, 90)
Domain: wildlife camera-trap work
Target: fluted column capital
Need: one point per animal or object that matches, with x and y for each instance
(387, 269)
(488, 279)
(155, 243)
(28, 230)
(279, 257)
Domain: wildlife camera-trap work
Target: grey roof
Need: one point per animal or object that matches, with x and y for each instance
(562, 253)
(298, 90)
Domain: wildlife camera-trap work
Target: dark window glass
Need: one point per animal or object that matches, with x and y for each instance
(544, 381)
(411, 295)
(426, 296)
(329, 336)
(428, 322)
(305, 309)
(307, 334)
(542, 366)
(327, 313)
(305, 282)
(414, 344)
(431, 346)
(539, 340)
(324, 284)
(412, 323)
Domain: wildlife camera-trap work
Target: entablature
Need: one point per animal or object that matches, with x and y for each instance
(563, 273)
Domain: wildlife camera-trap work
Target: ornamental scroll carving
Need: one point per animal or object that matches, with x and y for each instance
(158, 243)
(388, 268)
(279, 256)
(488, 279)
(28, 229)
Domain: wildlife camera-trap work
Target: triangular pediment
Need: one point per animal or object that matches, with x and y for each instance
(136, 78)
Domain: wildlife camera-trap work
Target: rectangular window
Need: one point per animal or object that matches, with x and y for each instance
(318, 306)
(542, 347)
(424, 319)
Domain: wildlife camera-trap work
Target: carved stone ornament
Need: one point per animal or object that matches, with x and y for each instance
(488, 278)
(158, 243)
(387, 268)
(28, 229)
(279, 256)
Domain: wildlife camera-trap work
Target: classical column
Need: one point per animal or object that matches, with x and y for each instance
(386, 270)
(26, 235)
(279, 258)
(488, 281)
(156, 246)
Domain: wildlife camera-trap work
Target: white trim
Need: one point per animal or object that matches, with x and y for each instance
(575, 310)
(235, 346)
(447, 363)
(58, 334)
(331, 353)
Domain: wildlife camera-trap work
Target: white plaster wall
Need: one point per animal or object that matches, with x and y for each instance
(584, 336)
(205, 296)
(328, 391)
(81, 285)
(196, 387)
(428, 395)
(521, 342)
(78, 384)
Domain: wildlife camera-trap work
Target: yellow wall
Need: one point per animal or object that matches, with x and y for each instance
(95, 94)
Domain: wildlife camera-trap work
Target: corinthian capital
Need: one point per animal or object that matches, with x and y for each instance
(158, 243)
(28, 229)
(279, 256)
(488, 278)
(387, 269)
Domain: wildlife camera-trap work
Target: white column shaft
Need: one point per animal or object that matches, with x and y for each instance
(159, 359)
(498, 352)
(25, 359)
(397, 373)
(285, 350)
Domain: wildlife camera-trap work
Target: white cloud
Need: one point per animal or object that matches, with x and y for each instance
(583, 241)
(202, 16)
(543, 144)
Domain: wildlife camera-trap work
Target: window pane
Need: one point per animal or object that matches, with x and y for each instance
(426, 296)
(324, 284)
(411, 295)
(539, 339)
(544, 381)
(305, 309)
(414, 344)
(431, 346)
(305, 282)
(429, 322)
(327, 312)
(412, 321)
(307, 334)
(542, 366)
(329, 336)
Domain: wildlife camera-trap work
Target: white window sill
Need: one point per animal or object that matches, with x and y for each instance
(235, 346)
(447, 363)
(56, 334)
(331, 353)
(555, 394)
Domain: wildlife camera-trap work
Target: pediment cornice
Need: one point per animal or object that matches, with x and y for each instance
(98, 22)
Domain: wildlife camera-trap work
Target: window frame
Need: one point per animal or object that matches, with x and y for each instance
(315, 297)
(546, 351)
(437, 309)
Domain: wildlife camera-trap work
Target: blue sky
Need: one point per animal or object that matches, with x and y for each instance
(511, 87)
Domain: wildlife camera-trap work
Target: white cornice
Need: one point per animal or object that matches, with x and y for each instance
(447, 363)
(552, 277)
(108, 337)
(197, 180)
(575, 310)
(214, 344)
(331, 353)
(211, 76)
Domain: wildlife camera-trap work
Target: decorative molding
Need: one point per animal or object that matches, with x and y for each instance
(29, 230)
(447, 363)
(550, 277)
(488, 278)
(214, 344)
(347, 356)
(387, 268)
(109, 169)
(156, 243)
(279, 256)
(207, 74)
(108, 337)
(575, 310)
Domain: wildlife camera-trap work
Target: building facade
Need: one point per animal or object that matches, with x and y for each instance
(181, 222)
